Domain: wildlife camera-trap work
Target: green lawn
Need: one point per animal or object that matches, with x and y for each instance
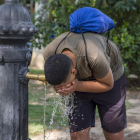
(34, 71)
(36, 117)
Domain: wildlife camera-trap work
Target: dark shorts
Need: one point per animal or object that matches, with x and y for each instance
(111, 108)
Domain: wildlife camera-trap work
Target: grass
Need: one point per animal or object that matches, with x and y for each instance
(36, 117)
(35, 92)
(34, 71)
(128, 105)
(36, 112)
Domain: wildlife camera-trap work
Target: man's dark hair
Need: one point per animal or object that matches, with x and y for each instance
(57, 69)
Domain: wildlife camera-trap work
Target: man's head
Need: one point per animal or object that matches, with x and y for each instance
(59, 70)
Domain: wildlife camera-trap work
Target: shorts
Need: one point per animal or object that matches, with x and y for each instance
(111, 108)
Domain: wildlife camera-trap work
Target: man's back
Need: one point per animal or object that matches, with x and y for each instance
(100, 55)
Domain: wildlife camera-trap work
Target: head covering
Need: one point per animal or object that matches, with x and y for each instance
(90, 20)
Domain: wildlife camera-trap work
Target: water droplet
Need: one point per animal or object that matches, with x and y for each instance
(66, 107)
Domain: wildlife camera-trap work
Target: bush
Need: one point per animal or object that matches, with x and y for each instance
(53, 19)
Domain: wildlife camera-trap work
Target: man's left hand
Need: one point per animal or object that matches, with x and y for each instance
(67, 89)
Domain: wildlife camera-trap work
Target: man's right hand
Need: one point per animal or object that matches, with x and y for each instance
(67, 89)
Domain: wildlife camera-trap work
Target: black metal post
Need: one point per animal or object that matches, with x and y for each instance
(16, 29)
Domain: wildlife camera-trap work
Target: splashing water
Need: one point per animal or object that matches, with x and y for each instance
(66, 107)
(65, 104)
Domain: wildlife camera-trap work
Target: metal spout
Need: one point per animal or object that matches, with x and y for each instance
(40, 77)
(25, 75)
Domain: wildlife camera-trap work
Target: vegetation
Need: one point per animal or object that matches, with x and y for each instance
(36, 110)
(34, 71)
(53, 19)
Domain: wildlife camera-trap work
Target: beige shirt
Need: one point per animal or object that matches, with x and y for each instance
(100, 56)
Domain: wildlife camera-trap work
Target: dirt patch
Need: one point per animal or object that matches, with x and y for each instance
(133, 94)
(133, 136)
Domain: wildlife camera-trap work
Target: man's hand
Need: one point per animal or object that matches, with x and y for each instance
(67, 89)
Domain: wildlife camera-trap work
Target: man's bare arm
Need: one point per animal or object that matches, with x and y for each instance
(99, 85)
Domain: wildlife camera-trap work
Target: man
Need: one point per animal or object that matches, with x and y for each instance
(100, 82)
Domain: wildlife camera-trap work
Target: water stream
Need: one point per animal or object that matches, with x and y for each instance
(44, 122)
(66, 106)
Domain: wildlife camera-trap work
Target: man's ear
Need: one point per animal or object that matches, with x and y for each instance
(73, 71)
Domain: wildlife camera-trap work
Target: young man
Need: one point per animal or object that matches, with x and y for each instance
(99, 82)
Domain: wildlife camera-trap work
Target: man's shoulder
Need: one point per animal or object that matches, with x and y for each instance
(62, 35)
(51, 47)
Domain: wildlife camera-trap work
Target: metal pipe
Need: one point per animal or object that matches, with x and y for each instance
(40, 77)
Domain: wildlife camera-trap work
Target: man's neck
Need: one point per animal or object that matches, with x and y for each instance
(70, 55)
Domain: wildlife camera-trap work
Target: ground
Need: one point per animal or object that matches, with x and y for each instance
(132, 132)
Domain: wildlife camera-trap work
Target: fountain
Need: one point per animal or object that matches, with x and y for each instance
(16, 29)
